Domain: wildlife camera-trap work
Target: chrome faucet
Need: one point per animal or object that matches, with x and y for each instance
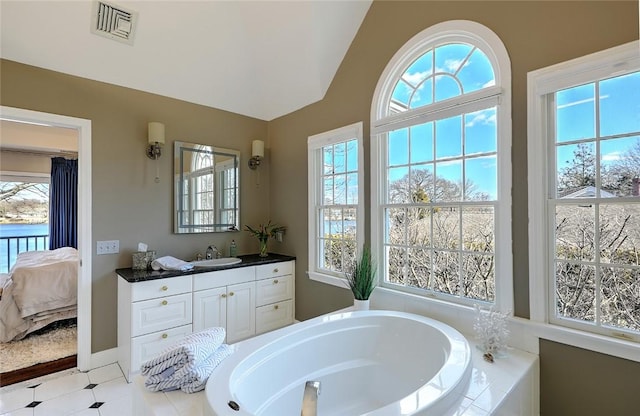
(310, 398)
(212, 252)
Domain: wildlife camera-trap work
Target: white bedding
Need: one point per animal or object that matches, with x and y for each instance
(42, 288)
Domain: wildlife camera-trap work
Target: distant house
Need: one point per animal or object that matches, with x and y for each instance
(584, 192)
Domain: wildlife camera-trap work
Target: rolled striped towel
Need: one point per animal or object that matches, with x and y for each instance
(187, 354)
(190, 381)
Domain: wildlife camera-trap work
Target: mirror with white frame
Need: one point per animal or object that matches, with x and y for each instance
(207, 189)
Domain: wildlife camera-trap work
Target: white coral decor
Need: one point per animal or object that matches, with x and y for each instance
(491, 332)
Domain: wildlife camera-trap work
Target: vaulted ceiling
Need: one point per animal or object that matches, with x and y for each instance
(262, 59)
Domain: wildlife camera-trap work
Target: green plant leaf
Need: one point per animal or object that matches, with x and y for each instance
(362, 278)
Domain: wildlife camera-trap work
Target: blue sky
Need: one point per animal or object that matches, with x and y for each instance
(454, 148)
(466, 145)
(582, 118)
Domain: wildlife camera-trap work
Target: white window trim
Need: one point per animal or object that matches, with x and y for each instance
(492, 46)
(540, 83)
(314, 144)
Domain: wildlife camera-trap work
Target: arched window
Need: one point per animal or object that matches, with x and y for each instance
(441, 138)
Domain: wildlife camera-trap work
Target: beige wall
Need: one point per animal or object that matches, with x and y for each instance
(28, 148)
(16, 163)
(127, 204)
(536, 35)
(38, 138)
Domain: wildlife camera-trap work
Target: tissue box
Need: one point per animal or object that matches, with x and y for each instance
(142, 260)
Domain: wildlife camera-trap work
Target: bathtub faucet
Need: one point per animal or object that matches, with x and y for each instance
(310, 398)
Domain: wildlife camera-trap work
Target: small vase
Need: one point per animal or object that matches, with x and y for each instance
(263, 247)
(361, 305)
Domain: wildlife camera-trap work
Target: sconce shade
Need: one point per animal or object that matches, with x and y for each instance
(257, 148)
(257, 153)
(156, 132)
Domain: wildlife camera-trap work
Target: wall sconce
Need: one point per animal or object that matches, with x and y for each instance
(257, 153)
(156, 140)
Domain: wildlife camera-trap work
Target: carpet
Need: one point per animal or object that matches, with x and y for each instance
(53, 342)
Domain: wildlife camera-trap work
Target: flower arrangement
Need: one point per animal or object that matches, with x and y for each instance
(263, 233)
(491, 332)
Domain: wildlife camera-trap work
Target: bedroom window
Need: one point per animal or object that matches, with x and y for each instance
(24, 216)
(584, 200)
(335, 202)
(441, 137)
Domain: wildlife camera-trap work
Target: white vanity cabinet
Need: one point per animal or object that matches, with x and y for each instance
(226, 298)
(151, 316)
(246, 301)
(274, 296)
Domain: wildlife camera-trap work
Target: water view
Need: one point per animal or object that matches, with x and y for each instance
(13, 240)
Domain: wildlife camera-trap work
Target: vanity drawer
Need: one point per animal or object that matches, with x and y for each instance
(160, 314)
(221, 278)
(274, 269)
(273, 290)
(274, 316)
(160, 288)
(148, 346)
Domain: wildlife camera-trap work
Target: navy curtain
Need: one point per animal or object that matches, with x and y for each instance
(63, 203)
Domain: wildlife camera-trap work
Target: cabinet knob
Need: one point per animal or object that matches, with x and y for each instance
(224, 295)
(230, 293)
(275, 281)
(164, 288)
(164, 303)
(275, 307)
(276, 270)
(164, 336)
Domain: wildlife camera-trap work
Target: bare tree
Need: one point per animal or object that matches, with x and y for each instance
(19, 200)
(581, 171)
(596, 258)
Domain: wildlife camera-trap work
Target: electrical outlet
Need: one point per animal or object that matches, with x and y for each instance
(108, 247)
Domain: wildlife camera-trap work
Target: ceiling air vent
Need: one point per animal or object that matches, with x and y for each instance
(113, 22)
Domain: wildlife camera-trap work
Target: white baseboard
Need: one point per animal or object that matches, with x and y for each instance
(102, 358)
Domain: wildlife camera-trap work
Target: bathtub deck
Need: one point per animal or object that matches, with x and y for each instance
(509, 386)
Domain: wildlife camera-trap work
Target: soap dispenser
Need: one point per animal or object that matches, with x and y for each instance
(233, 249)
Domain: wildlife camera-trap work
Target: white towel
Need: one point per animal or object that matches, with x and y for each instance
(193, 380)
(170, 263)
(190, 352)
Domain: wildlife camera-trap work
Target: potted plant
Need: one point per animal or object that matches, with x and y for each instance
(264, 232)
(362, 279)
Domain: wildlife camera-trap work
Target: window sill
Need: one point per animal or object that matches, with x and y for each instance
(328, 279)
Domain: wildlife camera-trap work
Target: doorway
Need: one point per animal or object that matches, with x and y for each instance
(83, 129)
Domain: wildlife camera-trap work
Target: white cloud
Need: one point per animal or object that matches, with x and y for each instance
(452, 65)
(489, 83)
(486, 117)
(415, 78)
(613, 156)
(586, 100)
(448, 163)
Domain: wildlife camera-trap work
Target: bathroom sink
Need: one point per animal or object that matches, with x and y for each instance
(225, 261)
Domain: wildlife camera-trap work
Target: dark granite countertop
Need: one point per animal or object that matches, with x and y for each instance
(133, 276)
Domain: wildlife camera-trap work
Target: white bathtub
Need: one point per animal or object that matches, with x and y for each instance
(370, 362)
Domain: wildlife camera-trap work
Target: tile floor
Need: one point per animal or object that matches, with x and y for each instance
(100, 392)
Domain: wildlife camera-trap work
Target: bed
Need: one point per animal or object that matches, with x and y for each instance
(41, 288)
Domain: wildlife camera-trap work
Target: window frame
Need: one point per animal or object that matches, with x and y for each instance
(500, 93)
(226, 174)
(315, 144)
(541, 86)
